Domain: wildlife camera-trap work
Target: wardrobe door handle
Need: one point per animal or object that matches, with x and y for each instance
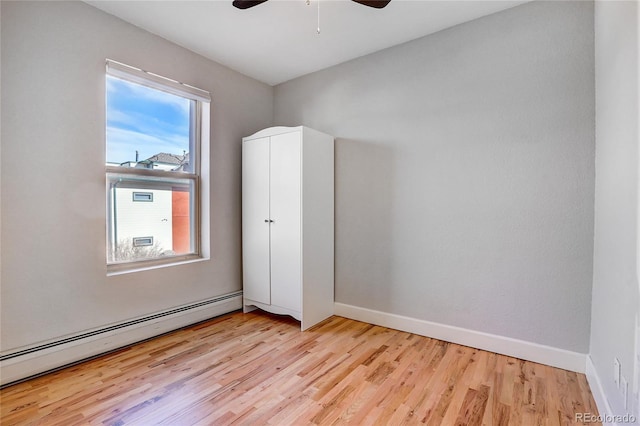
(269, 221)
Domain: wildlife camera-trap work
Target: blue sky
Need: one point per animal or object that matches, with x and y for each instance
(144, 119)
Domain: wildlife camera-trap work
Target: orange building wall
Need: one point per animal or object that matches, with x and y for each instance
(181, 225)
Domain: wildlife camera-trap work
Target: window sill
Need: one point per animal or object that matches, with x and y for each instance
(148, 265)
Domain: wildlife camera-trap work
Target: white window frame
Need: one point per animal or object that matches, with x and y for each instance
(198, 172)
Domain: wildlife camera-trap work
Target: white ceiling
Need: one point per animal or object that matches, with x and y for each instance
(277, 41)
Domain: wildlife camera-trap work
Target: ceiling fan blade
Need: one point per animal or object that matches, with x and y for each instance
(246, 4)
(378, 4)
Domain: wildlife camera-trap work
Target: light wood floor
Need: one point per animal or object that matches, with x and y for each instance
(259, 369)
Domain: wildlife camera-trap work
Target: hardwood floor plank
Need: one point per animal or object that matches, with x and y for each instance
(461, 358)
(259, 369)
(473, 407)
(500, 414)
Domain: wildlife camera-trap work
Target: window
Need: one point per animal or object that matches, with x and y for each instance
(156, 133)
(142, 241)
(143, 196)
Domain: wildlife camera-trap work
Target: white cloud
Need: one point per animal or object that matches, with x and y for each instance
(118, 86)
(144, 125)
(123, 143)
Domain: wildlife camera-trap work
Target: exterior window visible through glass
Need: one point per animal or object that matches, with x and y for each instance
(142, 241)
(143, 196)
(152, 143)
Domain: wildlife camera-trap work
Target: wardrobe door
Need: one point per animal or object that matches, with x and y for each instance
(286, 280)
(255, 220)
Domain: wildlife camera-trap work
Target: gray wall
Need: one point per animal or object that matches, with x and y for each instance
(465, 173)
(616, 297)
(53, 201)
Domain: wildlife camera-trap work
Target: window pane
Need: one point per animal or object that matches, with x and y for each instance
(147, 128)
(152, 229)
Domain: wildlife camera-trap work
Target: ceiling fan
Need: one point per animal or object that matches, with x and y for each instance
(246, 4)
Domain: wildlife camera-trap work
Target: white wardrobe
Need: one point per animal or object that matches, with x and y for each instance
(287, 223)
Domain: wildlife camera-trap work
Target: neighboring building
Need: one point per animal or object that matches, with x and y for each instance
(151, 216)
(143, 217)
(165, 161)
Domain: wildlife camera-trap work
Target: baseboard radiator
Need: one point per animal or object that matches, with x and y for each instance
(22, 363)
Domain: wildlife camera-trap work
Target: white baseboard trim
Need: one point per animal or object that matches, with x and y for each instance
(604, 409)
(529, 351)
(26, 362)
